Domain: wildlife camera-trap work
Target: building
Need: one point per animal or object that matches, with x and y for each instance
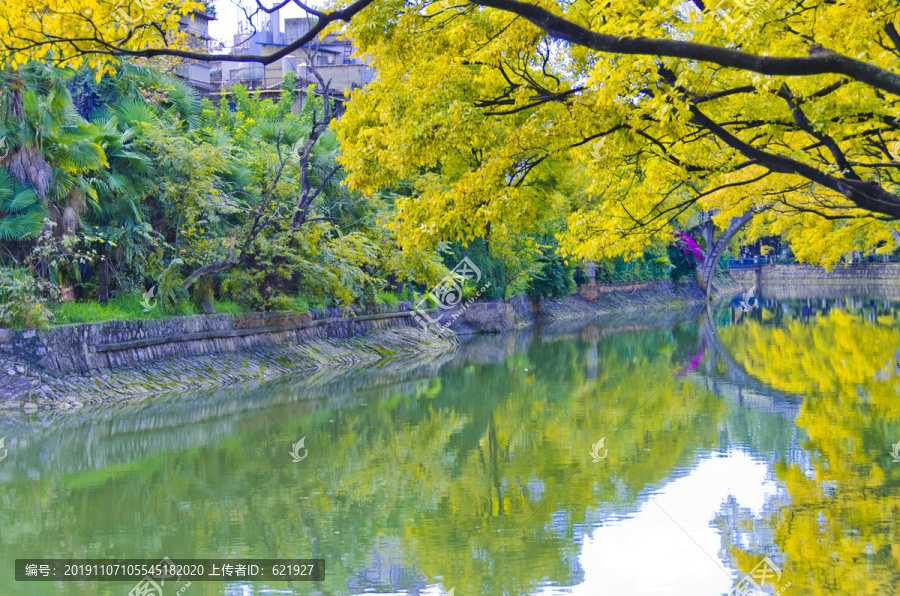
(248, 41)
(332, 57)
(194, 72)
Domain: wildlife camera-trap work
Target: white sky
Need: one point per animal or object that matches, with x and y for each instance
(228, 15)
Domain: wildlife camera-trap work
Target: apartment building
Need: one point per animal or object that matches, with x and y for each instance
(197, 73)
(332, 56)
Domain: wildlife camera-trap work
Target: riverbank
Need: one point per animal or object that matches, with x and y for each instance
(811, 275)
(69, 366)
(31, 388)
(874, 281)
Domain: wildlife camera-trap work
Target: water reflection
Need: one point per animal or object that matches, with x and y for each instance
(730, 436)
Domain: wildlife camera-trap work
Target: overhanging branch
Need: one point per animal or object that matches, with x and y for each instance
(819, 62)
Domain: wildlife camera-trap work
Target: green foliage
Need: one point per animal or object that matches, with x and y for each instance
(22, 213)
(392, 300)
(227, 307)
(682, 265)
(649, 267)
(172, 296)
(21, 300)
(553, 278)
(242, 288)
(493, 270)
(157, 185)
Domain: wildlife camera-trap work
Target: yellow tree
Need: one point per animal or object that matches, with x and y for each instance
(652, 111)
(645, 113)
(101, 32)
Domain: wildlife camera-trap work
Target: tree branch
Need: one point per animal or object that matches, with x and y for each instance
(324, 19)
(819, 62)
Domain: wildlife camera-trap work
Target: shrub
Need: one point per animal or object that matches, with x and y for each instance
(21, 300)
(243, 288)
(388, 298)
(682, 266)
(493, 270)
(227, 307)
(553, 279)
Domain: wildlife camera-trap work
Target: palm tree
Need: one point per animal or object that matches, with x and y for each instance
(22, 213)
(117, 217)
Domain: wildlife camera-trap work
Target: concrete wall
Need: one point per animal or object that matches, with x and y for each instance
(801, 273)
(84, 348)
(592, 291)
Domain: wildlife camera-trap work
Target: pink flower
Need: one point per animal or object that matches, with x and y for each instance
(687, 243)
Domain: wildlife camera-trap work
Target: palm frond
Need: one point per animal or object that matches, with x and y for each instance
(22, 226)
(135, 112)
(80, 154)
(21, 200)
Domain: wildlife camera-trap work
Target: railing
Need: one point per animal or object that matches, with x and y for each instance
(747, 263)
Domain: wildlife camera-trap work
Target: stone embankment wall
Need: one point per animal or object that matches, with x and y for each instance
(592, 291)
(70, 365)
(82, 348)
(802, 273)
(590, 300)
(90, 362)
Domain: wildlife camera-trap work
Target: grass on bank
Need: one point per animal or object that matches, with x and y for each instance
(128, 307)
(16, 310)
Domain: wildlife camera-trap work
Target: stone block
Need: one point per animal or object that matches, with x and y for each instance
(490, 317)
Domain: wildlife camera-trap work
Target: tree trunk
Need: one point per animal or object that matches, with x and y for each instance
(217, 267)
(103, 279)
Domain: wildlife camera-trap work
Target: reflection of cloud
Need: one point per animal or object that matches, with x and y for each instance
(683, 552)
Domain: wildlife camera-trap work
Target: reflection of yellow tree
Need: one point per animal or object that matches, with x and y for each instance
(465, 479)
(518, 490)
(827, 353)
(841, 530)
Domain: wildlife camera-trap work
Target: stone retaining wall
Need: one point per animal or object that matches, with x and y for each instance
(83, 348)
(592, 291)
(490, 317)
(72, 365)
(30, 388)
(270, 319)
(802, 273)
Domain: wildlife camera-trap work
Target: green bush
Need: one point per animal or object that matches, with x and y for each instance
(554, 278)
(243, 288)
(227, 307)
(388, 298)
(682, 266)
(649, 267)
(493, 270)
(21, 300)
(281, 303)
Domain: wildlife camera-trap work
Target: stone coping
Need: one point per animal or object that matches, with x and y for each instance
(225, 333)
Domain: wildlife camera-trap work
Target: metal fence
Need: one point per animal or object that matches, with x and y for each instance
(747, 262)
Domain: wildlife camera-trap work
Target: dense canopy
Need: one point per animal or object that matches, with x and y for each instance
(640, 114)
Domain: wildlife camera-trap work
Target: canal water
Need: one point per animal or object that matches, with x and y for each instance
(695, 452)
